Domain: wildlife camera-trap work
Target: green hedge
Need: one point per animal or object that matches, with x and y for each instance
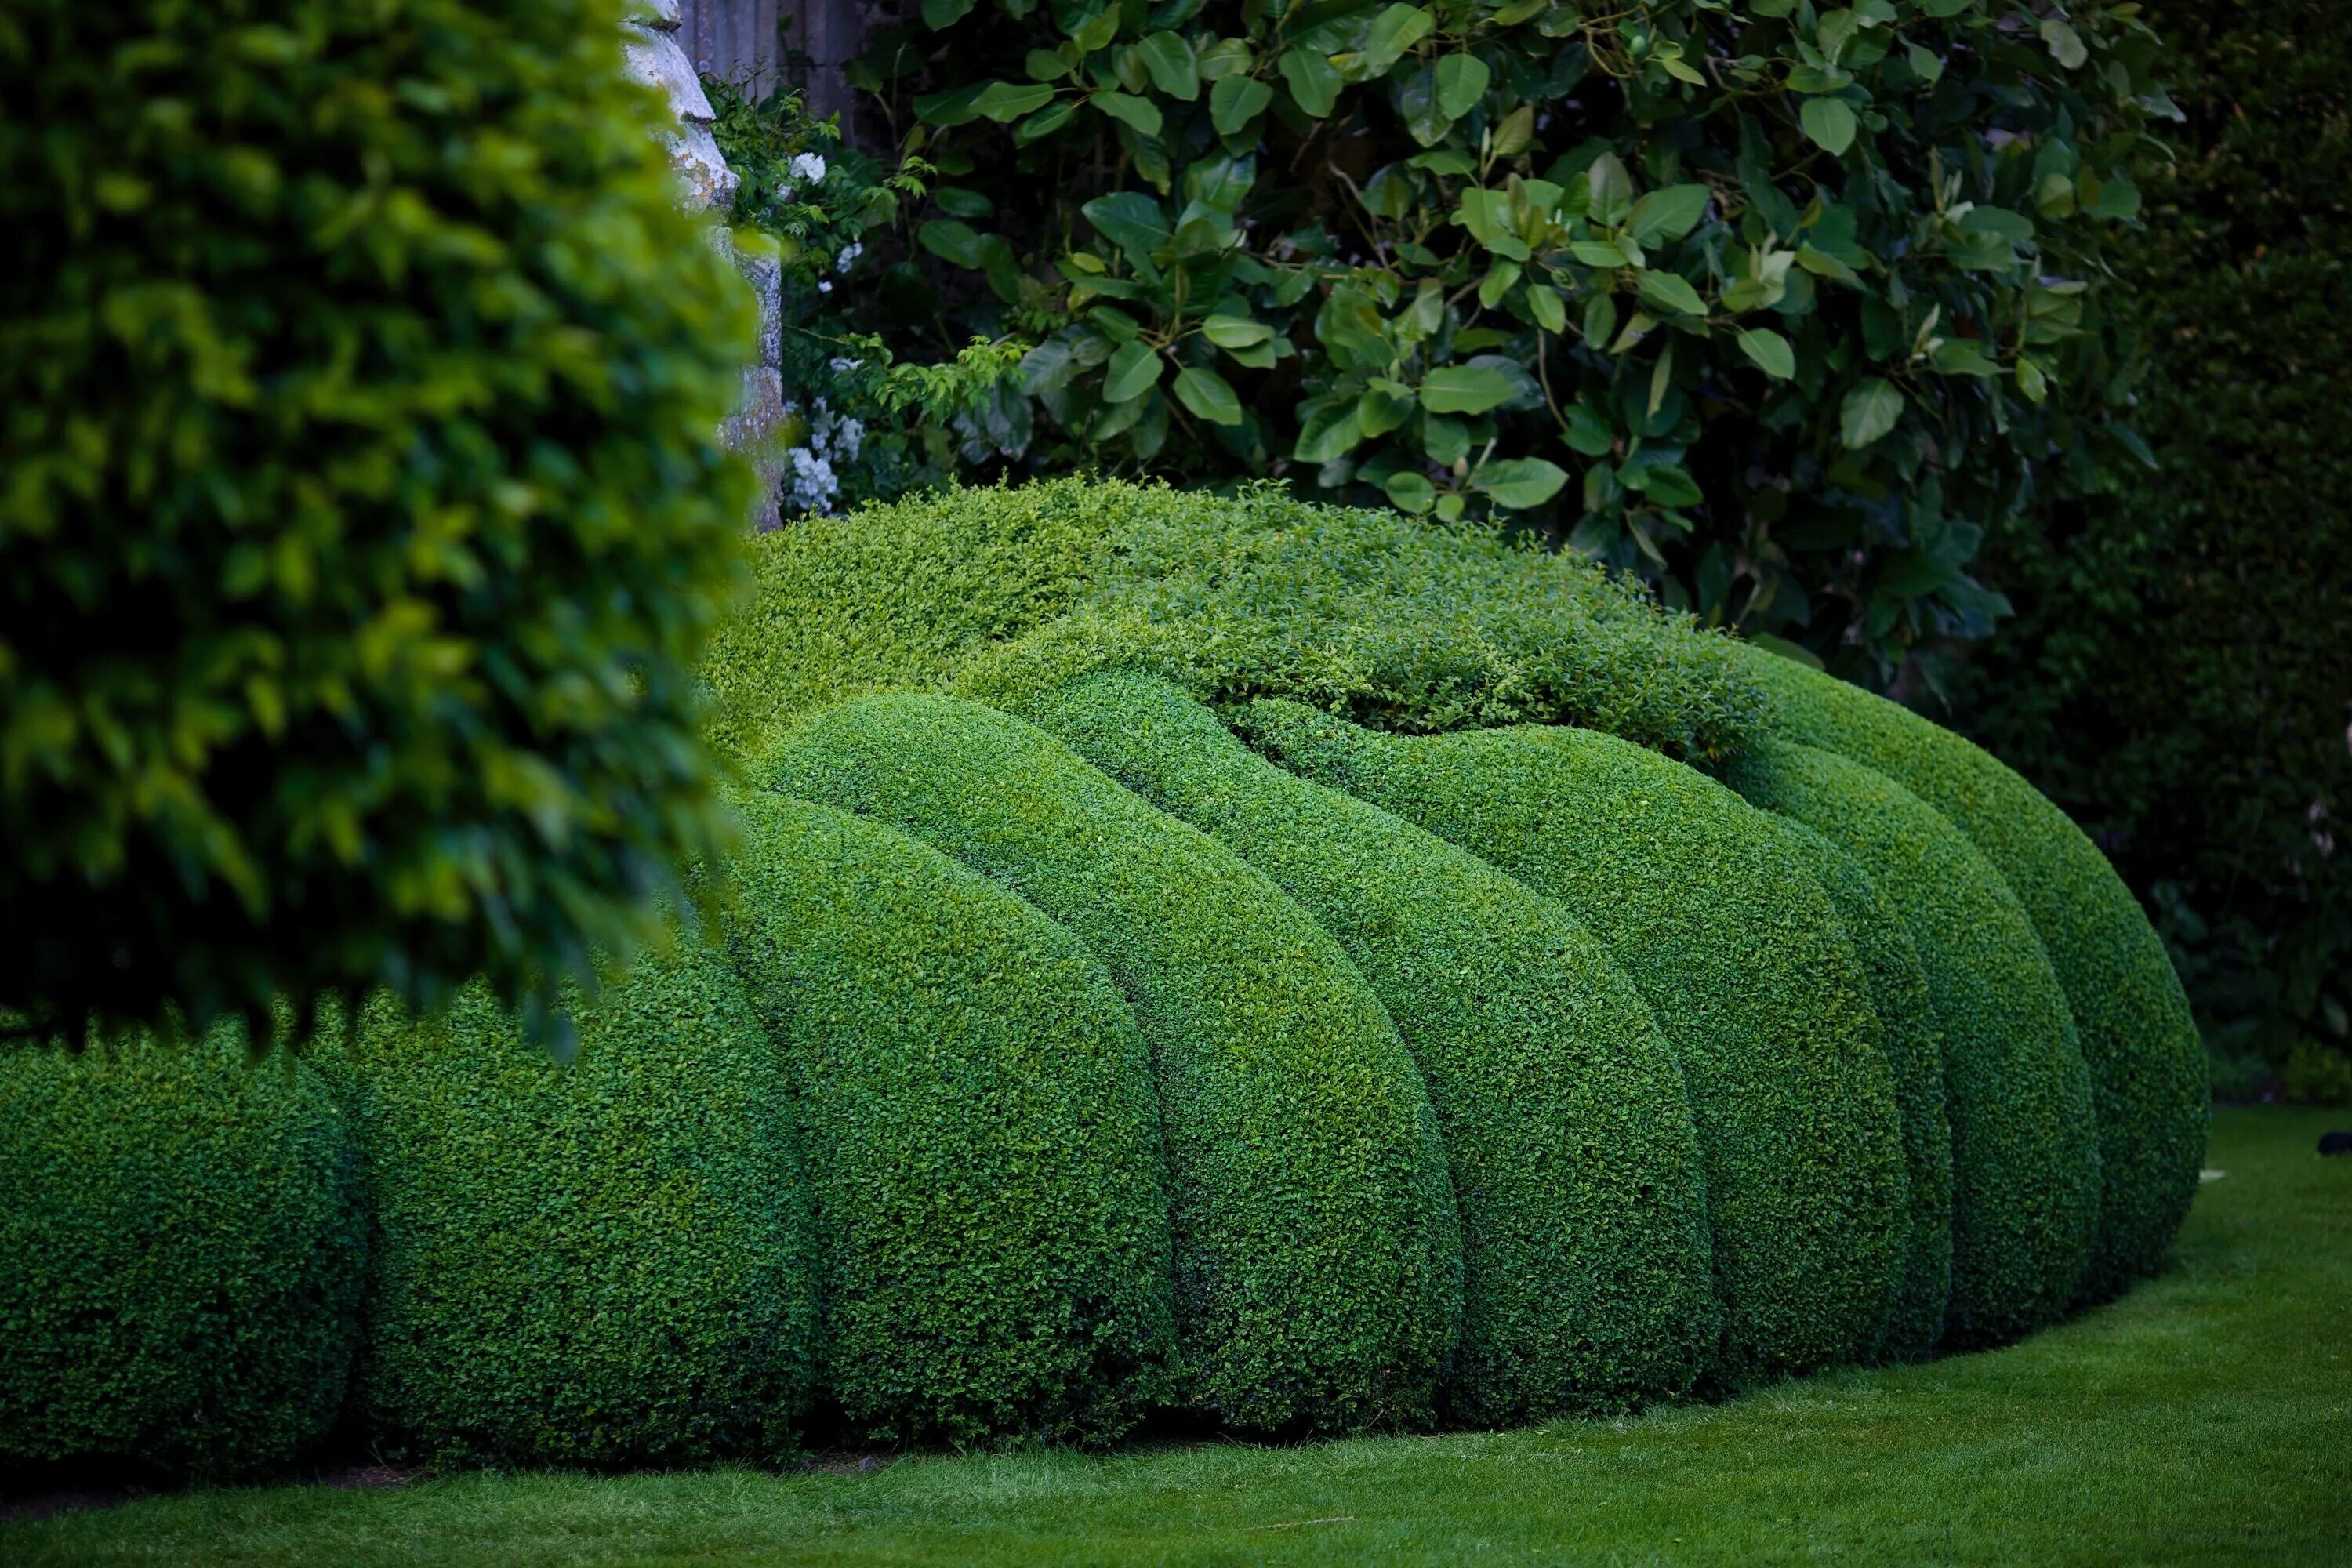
(2025, 1143)
(601, 1264)
(1586, 1281)
(1746, 968)
(2147, 1063)
(181, 1254)
(983, 1142)
(1912, 1034)
(1318, 1252)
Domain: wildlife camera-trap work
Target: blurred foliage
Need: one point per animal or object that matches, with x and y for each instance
(2180, 675)
(360, 509)
(1777, 306)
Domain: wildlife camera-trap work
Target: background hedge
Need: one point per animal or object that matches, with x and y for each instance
(1319, 1257)
(983, 1141)
(183, 1252)
(1912, 1037)
(2178, 676)
(360, 384)
(607, 1263)
(2147, 1065)
(1586, 1279)
(1744, 967)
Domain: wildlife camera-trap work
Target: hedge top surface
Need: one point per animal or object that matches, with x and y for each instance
(603, 1263)
(360, 383)
(1387, 620)
(2025, 1161)
(2147, 1060)
(975, 1101)
(1745, 966)
(1912, 1037)
(1586, 1281)
(1318, 1254)
(1393, 622)
(184, 1250)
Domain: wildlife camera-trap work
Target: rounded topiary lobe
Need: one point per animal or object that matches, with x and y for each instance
(2025, 1153)
(1586, 1281)
(1913, 1041)
(2147, 1060)
(364, 513)
(1744, 967)
(1318, 1256)
(184, 1250)
(603, 1263)
(975, 1104)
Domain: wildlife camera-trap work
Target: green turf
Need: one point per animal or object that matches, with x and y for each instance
(2207, 1417)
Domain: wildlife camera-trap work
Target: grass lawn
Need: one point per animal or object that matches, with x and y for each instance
(2206, 1419)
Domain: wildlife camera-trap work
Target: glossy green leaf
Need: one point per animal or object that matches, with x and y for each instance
(1208, 395)
(951, 241)
(1005, 101)
(1670, 291)
(1466, 389)
(1668, 213)
(1235, 102)
(942, 13)
(1870, 410)
(1546, 305)
(1139, 112)
(1770, 351)
(1134, 370)
(1234, 331)
(1174, 70)
(1411, 491)
(1830, 124)
(1314, 84)
(1131, 220)
(1520, 482)
(1328, 432)
(1385, 405)
(1394, 31)
(1461, 82)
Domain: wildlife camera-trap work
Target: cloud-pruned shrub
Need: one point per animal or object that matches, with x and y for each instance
(1912, 1037)
(1318, 1255)
(1746, 968)
(2147, 1063)
(975, 1105)
(184, 1251)
(360, 383)
(1586, 1281)
(1387, 621)
(2026, 1161)
(603, 1263)
(996, 592)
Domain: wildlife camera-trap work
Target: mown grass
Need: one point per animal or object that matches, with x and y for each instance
(2205, 1418)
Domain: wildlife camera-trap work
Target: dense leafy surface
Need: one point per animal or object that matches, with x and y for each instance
(1319, 1257)
(601, 1264)
(2147, 1064)
(1912, 1037)
(2025, 1143)
(1001, 593)
(363, 514)
(981, 1137)
(2207, 1419)
(1744, 964)
(1585, 1253)
(183, 1249)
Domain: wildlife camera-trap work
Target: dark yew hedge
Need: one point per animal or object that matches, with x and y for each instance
(2147, 1063)
(2025, 1159)
(1745, 967)
(1318, 1256)
(1586, 1281)
(975, 1104)
(605, 1263)
(181, 1256)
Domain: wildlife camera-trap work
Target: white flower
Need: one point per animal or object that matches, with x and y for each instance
(814, 486)
(809, 166)
(848, 258)
(824, 284)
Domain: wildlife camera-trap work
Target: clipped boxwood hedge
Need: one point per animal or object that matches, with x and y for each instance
(2025, 1144)
(975, 1104)
(181, 1254)
(1586, 1278)
(2146, 1061)
(1912, 1039)
(1318, 1256)
(602, 1263)
(1746, 968)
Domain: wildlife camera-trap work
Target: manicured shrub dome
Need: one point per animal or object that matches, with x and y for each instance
(2146, 1061)
(1744, 967)
(2025, 1159)
(1319, 1257)
(181, 1252)
(603, 1263)
(1586, 1278)
(975, 1107)
(1912, 1039)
